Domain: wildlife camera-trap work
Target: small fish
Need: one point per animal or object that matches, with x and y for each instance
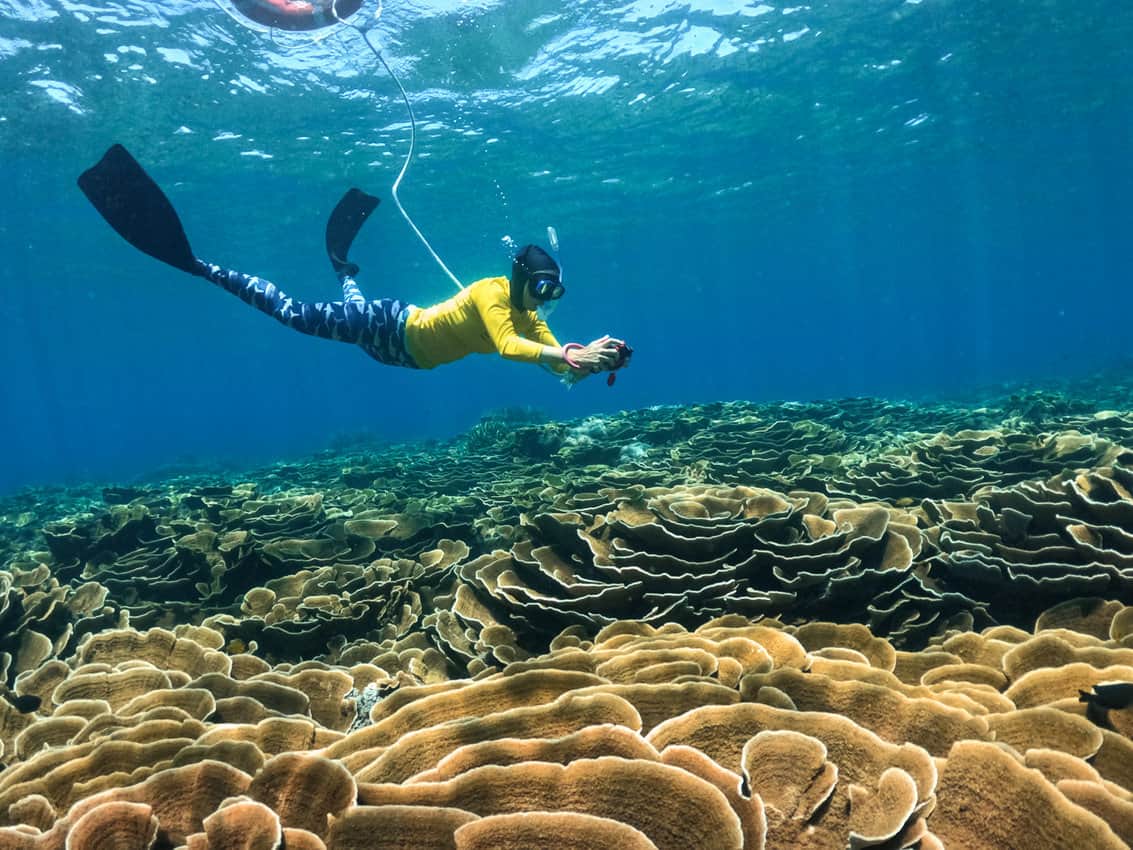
(1113, 695)
(24, 704)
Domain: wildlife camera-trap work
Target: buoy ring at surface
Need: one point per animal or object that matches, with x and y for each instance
(296, 15)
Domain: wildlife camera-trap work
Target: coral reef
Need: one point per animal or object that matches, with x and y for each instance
(860, 624)
(737, 734)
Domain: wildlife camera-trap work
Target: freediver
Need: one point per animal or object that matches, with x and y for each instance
(492, 315)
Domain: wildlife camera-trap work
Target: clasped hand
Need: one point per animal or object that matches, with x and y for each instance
(599, 356)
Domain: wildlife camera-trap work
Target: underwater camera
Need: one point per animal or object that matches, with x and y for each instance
(624, 354)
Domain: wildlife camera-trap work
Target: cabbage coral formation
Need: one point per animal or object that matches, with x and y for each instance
(739, 627)
(738, 734)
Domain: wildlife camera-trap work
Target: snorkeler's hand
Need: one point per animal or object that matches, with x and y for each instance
(599, 356)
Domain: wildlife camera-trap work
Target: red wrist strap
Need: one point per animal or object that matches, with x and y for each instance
(567, 349)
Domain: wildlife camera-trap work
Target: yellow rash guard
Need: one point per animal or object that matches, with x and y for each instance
(478, 320)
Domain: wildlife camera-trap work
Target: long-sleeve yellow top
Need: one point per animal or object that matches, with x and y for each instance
(478, 320)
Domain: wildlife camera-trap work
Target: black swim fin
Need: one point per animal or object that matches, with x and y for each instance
(343, 225)
(136, 207)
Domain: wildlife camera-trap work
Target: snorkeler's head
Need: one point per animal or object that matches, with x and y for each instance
(534, 270)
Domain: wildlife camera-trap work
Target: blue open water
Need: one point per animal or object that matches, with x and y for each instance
(890, 198)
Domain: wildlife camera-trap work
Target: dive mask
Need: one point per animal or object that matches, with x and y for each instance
(547, 288)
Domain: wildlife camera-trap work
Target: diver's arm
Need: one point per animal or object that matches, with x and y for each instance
(553, 356)
(582, 361)
(540, 332)
(496, 315)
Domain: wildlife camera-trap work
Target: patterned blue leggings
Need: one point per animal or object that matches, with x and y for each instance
(377, 327)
